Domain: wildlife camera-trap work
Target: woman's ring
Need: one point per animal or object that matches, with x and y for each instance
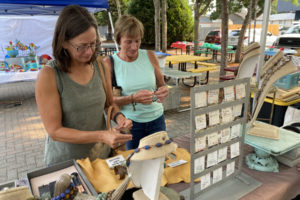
(120, 144)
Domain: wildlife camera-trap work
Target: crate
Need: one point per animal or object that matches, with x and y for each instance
(288, 81)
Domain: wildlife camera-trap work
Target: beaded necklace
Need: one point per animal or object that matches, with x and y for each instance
(69, 193)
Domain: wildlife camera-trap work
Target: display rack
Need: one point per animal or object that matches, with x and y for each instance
(217, 114)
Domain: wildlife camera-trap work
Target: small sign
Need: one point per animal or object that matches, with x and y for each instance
(200, 99)
(227, 115)
(217, 175)
(240, 91)
(229, 93)
(214, 117)
(222, 154)
(237, 110)
(235, 131)
(115, 161)
(199, 165)
(200, 143)
(205, 181)
(225, 135)
(200, 121)
(212, 158)
(177, 163)
(213, 96)
(230, 168)
(213, 139)
(235, 150)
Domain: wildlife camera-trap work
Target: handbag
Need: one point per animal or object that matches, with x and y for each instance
(116, 89)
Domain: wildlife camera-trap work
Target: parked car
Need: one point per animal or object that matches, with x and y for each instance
(290, 39)
(270, 38)
(215, 37)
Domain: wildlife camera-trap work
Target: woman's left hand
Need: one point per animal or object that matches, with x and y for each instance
(161, 93)
(123, 123)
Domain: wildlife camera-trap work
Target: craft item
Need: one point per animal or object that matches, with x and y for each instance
(277, 67)
(214, 117)
(212, 139)
(229, 93)
(212, 159)
(200, 121)
(177, 163)
(230, 168)
(146, 164)
(240, 91)
(225, 135)
(200, 143)
(237, 110)
(199, 164)
(235, 131)
(213, 96)
(217, 175)
(234, 150)
(115, 161)
(249, 62)
(205, 181)
(200, 99)
(222, 154)
(227, 115)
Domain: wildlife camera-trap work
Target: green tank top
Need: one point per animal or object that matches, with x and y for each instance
(82, 108)
(135, 76)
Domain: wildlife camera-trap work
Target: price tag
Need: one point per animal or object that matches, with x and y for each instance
(227, 115)
(200, 143)
(235, 150)
(217, 175)
(222, 154)
(200, 99)
(240, 91)
(205, 181)
(115, 161)
(229, 93)
(212, 139)
(200, 121)
(199, 164)
(214, 117)
(177, 163)
(230, 168)
(213, 96)
(212, 158)
(225, 135)
(235, 131)
(237, 110)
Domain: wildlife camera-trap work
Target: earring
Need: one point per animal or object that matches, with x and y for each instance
(66, 52)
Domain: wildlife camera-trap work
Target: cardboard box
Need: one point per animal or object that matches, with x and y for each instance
(49, 174)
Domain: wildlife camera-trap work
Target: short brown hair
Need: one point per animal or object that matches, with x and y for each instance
(128, 25)
(72, 21)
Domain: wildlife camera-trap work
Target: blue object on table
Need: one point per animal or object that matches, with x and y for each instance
(12, 53)
(288, 81)
(158, 53)
(270, 53)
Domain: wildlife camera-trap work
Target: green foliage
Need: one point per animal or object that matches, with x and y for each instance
(274, 7)
(179, 17)
(102, 17)
(233, 7)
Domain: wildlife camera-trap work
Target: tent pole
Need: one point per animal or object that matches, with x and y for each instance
(112, 29)
(263, 36)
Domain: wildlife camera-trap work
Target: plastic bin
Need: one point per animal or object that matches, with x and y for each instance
(288, 81)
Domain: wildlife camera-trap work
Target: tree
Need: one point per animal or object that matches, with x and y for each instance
(200, 7)
(157, 24)
(164, 24)
(179, 18)
(225, 17)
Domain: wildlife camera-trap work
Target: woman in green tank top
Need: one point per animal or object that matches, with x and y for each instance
(70, 95)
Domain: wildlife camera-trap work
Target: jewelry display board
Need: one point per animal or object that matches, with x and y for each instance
(217, 115)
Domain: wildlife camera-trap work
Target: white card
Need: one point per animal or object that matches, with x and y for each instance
(200, 143)
(217, 175)
(177, 163)
(205, 181)
(229, 93)
(214, 117)
(213, 96)
(212, 158)
(237, 110)
(240, 91)
(115, 161)
(235, 150)
(199, 165)
(227, 115)
(200, 121)
(235, 131)
(225, 135)
(212, 139)
(200, 99)
(222, 154)
(230, 168)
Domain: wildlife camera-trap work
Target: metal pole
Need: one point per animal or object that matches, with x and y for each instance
(113, 30)
(263, 37)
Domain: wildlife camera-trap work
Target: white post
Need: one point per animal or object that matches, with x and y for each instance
(113, 30)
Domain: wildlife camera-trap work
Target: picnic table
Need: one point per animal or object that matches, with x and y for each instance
(215, 50)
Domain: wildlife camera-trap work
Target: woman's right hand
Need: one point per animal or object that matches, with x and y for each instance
(115, 139)
(143, 97)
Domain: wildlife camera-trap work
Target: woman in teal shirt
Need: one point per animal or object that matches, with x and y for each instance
(138, 73)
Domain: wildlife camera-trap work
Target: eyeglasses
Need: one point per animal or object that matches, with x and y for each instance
(84, 48)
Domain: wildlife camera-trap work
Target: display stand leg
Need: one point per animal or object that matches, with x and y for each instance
(262, 161)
